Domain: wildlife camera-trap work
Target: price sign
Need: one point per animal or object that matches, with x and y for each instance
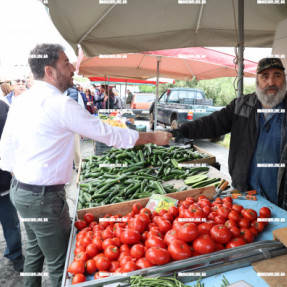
(158, 202)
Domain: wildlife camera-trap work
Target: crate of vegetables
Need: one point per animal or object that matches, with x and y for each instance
(111, 245)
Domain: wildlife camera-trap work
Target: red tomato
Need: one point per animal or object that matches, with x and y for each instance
(79, 249)
(227, 204)
(145, 211)
(124, 248)
(145, 217)
(168, 216)
(235, 231)
(89, 217)
(93, 224)
(254, 231)
(92, 250)
(220, 233)
(223, 211)
(154, 241)
(81, 256)
(203, 244)
(144, 236)
(244, 222)
(218, 200)
(177, 224)
(130, 237)
(98, 242)
(118, 231)
(190, 200)
(218, 247)
(187, 232)
(206, 210)
(101, 274)
(114, 266)
(78, 278)
(238, 241)
(137, 224)
(204, 228)
(212, 215)
(250, 214)
(234, 215)
(179, 250)
(164, 225)
(157, 256)
(230, 223)
(155, 233)
(219, 219)
(162, 212)
(98, 228)
(108, 233)
(97, 256)
(123, 254)
(116, 241)
(91, 266)
(129, 267)
(137, 251)
(77, 267)
(103, 263)
(265, 212)
(136, 208)
(170, 236)
(174, 211)
(227, 199)
(80, 224)
(112, 252)
(247, 235)
(237, 207)
(124, 260)
(143, 263)
(107, 242)
(258, 225)
(201, 197)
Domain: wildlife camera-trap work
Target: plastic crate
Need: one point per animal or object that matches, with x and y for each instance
(100, 148)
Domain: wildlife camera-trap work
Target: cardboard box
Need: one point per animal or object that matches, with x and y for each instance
(125, 207)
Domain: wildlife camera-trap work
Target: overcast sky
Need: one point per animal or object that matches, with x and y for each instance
(25, 23)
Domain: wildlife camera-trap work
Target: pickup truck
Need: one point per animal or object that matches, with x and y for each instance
(179, 105)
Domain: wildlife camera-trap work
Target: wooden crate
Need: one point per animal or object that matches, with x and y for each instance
(125, 207)
(211, 159)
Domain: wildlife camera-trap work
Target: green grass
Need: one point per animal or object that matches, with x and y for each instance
(226, 141)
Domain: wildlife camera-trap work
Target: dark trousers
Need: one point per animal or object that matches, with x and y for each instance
(11, 228)
(47, 223)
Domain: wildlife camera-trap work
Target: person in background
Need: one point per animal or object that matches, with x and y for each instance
(257, 123)
(37, 147)
(78, 88)
(129, 99)
(118, 101)
(6, 89)
(76, 96)
(99, 99)
(8, 214)
(90, 100)
(19, 86)
(30, 81)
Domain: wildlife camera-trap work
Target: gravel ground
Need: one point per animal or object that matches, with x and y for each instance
(9, 277)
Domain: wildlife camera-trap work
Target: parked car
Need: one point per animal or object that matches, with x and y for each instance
(141, 103)
(179, 105)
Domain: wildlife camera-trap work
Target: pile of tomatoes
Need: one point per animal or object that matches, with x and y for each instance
(142, 238)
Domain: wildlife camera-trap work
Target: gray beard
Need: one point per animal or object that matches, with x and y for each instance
(270, 100)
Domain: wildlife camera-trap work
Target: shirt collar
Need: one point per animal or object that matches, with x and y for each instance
(39, 83)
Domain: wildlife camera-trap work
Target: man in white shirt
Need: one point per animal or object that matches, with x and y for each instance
(37, 146)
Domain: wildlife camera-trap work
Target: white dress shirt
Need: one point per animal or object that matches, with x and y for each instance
(37, 143)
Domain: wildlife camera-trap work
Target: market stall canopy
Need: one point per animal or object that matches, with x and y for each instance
(162, 24)
(122, 81)
(181, 64)
(280, 43)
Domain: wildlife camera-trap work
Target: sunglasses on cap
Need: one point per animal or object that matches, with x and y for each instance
(18, 81)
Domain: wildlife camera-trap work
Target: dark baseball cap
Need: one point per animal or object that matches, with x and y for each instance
(267, 63)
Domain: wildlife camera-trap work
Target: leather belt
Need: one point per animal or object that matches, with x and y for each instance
(39, 188)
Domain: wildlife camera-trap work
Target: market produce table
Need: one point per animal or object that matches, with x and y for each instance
(247, 273)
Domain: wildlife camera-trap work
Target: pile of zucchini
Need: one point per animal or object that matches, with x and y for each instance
(137, 173)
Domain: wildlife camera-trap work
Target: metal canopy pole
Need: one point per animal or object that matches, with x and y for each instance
(158, 59)
(241, 46)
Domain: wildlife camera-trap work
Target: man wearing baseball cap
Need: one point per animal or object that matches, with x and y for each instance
(257, 123)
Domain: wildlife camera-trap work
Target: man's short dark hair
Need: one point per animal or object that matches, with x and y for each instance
(43, 55)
